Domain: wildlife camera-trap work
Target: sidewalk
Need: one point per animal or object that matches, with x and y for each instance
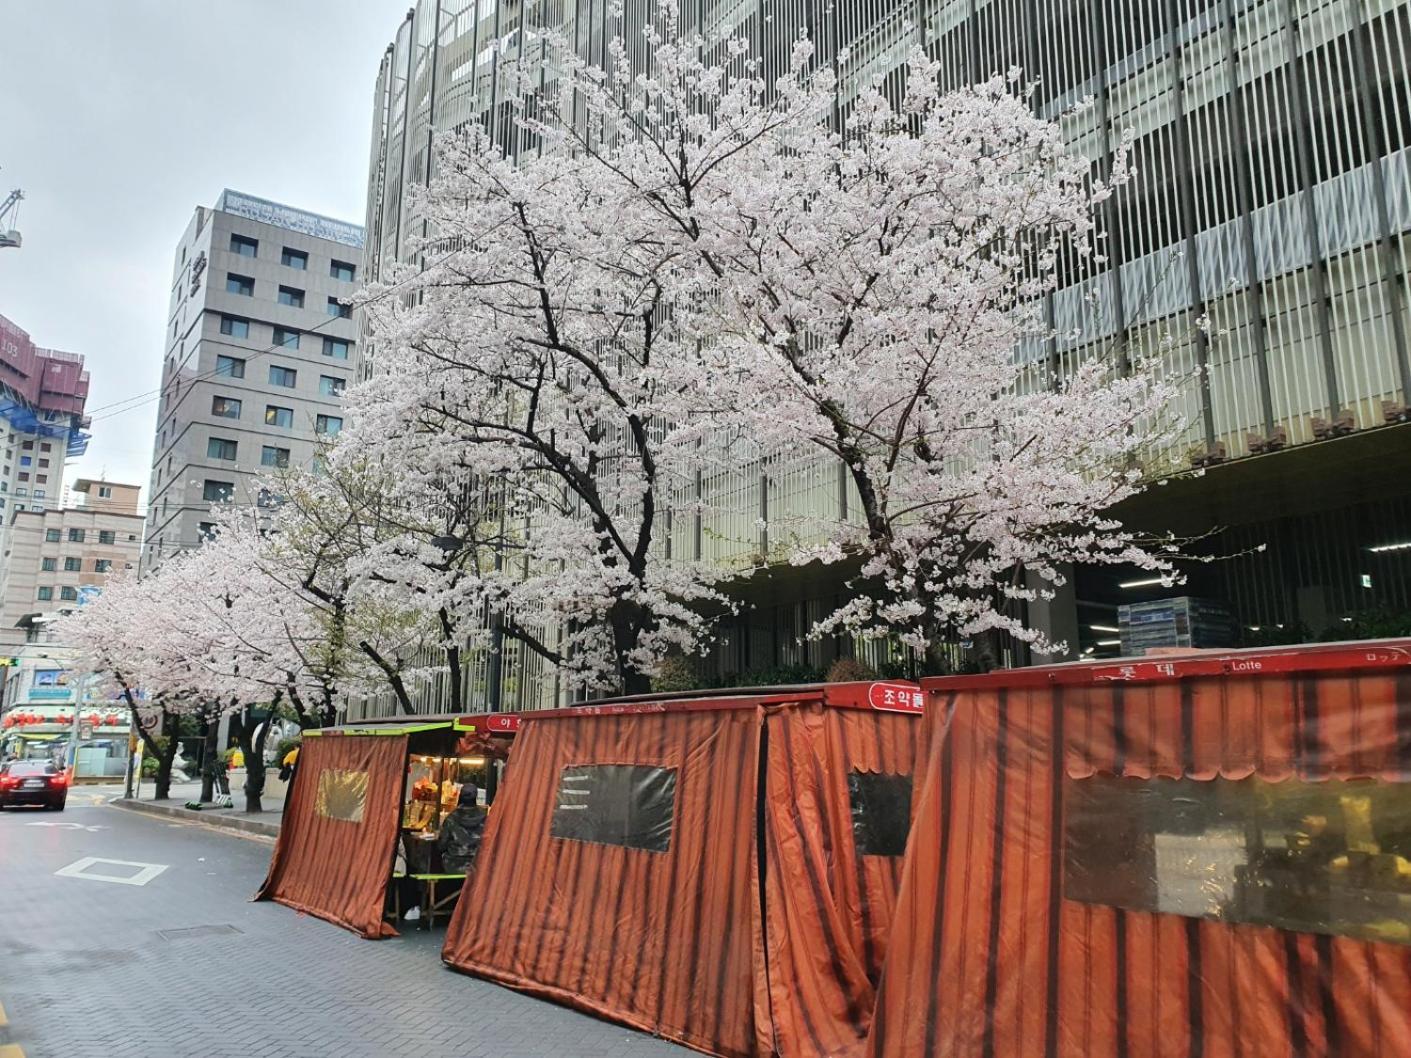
(263, 824)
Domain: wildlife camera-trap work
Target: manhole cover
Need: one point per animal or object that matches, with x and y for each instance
(196, 931)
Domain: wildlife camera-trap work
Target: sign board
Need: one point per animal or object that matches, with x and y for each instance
(896, 698)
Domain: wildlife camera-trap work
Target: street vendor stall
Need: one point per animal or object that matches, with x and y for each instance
(719, 871)
(1207, 856)
(376, 817)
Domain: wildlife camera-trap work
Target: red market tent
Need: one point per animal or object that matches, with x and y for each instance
(1198, 857)
(718, 871)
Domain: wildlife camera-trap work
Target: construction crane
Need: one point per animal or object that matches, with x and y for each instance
(9, 214)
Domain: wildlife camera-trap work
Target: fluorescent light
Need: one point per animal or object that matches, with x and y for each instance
(1404, 545)
(1109, 642)
(1142, 583)
(1104, 628)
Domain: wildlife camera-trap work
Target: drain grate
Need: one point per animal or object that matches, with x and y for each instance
(190, 932)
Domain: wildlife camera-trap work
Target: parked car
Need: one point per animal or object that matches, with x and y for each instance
(33, 782)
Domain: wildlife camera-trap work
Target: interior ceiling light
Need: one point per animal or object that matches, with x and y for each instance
(1109, 642)
(1403, 546)
(1147, 582)
(1104, 628)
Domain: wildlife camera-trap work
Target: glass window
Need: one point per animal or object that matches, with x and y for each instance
(342, 270)
(277, 416)
(68, 594)
(291, 296)
(282, 376)
(616, 804)
(23, 475)
(102, 565)
(231, 366)
(328, 424)
(220, 448)
(235, 284)
(268, 498)
(331, 385)
(225, 407)
(73, 565)
(271, 456)
(105, 492)
(49, 565)
(339, 309)
(46, 594)
(107, 536)
(286, 337)
(207, 530)
(881, 812)
(1329, 857)
(26, 461)
(235, 326)
(336, 348)
(76, 536)
(27, 446)
(294, 259)
(217, 491)
(51, 535)
(244, 246)
(43, 447)
(44, 462)
(40, 479)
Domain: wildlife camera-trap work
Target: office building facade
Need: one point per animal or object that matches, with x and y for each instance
(1273, 198)
(260, 344)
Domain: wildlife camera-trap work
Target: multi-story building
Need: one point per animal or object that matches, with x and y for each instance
(42, 395)
(1272, 142)
(54, 558)
(259, 347)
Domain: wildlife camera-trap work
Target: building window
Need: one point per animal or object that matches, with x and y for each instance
(105, 492)
(44, 447)
(282, 376)
(342, 270)
(217, 491)
(68, 594)
(46, 594)
(271, 456)
(244, 246)
(39, 493)
(225, 407)
(294, 259)
(331, 386)
(51, 536)
(40, 479)
(286, 337)
(235, 326)
(26, 461)
(102, 565)
(291, 296)
(220, 448)
(73, 565)
(76, 536)
(28, 446)
(267, 498)
(328, 424)
(242, 285)
(277, 416)
(107, 536)
(336, 348)
(44, 463)
(207, 530)
(49, 565)
(340, 309)
(24, 475)
(230, 366)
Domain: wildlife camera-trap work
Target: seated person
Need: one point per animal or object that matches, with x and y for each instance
(462, 832)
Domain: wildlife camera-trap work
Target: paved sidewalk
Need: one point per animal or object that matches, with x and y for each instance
(264, 824)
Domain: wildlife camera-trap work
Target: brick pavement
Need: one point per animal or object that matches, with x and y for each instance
(85, 974)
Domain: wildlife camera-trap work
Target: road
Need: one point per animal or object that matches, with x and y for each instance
(91, 968)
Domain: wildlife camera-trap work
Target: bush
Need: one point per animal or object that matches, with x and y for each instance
(675, 674)
(282, 749)
(849, 670)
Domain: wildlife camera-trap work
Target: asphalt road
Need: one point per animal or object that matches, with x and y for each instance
(90, 967)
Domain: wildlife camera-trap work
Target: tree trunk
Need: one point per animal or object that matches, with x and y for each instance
(394, 677)
(209, 763)
(252, 748)
(166, 757)
(634, 682)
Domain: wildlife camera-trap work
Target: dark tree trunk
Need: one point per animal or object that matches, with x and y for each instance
(210, 763)
(166, 757)
(394, 677)
(252, 748)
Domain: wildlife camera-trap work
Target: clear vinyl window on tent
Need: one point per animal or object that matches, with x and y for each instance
(616, 804)
(341, 795)
(1315, 857)
(881, 812)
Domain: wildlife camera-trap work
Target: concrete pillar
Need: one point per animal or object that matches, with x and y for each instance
(1057, 618)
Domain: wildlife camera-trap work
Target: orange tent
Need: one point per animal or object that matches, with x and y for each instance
(718, 871)
(1204, 857)
(336, 845)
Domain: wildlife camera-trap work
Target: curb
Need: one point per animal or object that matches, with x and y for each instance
(244, 824)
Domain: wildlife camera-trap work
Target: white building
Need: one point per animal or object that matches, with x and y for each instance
(260, 344)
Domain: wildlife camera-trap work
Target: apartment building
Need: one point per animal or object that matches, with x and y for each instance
(260, 344)
(42, 397)
(1273, 144)
(56, 557)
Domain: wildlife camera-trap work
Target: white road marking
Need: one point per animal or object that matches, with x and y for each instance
(67, 826)
(80, 869)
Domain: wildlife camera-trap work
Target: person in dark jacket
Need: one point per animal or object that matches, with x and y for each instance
(462, 832)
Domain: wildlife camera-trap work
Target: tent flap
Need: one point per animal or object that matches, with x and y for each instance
(334, 852)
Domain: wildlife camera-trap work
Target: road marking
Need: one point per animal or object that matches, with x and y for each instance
(67, 826)
(80, 869)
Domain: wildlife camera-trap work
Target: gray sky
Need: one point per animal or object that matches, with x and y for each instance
(119, 117)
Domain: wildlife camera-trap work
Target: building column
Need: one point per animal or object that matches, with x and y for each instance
(1056, 618)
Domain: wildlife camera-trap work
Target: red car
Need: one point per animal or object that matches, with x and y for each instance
(33, 782)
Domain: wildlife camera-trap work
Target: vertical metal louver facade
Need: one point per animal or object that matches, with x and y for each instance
(1271, 139)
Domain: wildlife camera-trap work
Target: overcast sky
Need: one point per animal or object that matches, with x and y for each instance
(118, 118)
